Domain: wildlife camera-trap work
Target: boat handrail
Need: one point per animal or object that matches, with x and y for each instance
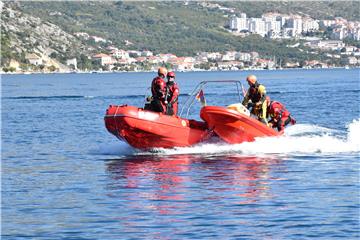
(146, 95)
(189, 102)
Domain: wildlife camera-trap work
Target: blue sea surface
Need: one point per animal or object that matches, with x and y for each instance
(64, 176)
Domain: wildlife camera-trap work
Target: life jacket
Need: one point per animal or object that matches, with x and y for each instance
(172, 92)
(158, 87)
(254, 94)
(277, 111)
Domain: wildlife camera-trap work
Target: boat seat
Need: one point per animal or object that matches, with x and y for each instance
(239, 108)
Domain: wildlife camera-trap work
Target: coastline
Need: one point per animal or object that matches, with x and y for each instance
(194, 70)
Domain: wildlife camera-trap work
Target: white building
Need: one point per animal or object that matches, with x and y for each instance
(120, 54)
(254, 55)
(310, 25)
(339, 21)
(238, 24)
(233, 22)
(229, 56)
(245, 57)
(134, 53)
(213, 56)
(295, 23)
(154, 60)
(269, 17)
(282, 20)
(257, 25)
(352, 60)
(242, 24)
(166, 56)
(327, 23)
(330, 44)
(273, 26)
(355, 34)
(34, 59)
(339, 34)
(201, 59)
(72, 61)
(350, 49)
(98, 39)
(125, 61)
(147, 53)
(82, 34)
(104, 59)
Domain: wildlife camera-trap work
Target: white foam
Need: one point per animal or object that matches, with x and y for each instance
(304, 129)
(354, 133)
(117, 149)
(299, 139)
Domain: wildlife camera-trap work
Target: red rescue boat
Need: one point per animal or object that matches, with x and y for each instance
(233, 126)
(146, 129)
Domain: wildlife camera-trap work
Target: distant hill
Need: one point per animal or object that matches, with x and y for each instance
(182, 28)
(316, 9)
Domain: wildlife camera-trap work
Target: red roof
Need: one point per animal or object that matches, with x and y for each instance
(100, 55)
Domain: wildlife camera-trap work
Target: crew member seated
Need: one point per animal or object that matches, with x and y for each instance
(255, 99)
(279, 115)
(172, 94)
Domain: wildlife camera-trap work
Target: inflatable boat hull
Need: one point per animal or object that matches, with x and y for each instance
(234, 127)
(144, 129)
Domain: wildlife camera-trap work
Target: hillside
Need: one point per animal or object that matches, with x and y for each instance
(22, 34)
(149, 25)
(182, 28)
(315, 9)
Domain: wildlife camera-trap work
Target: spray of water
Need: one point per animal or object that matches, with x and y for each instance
(117, 149)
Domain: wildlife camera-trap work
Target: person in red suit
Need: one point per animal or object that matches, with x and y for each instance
(158, 91)
(279, 115)
(172, 94)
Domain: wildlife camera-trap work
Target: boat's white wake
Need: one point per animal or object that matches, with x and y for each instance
(300, 139)
(116, 148)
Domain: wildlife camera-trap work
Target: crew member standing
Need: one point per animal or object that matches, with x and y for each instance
(255, 98)
(172, 94)
(158, 89)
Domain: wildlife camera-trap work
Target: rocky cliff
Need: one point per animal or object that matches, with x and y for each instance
(23, 34)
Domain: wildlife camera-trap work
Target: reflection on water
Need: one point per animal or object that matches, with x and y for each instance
(173, 184)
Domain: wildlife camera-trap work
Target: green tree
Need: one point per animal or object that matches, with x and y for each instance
(41, 67)
(352, 42)
(52, 68)
(84, 63)
(54, 55)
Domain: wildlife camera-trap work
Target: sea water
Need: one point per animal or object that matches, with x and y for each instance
(65, 177)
